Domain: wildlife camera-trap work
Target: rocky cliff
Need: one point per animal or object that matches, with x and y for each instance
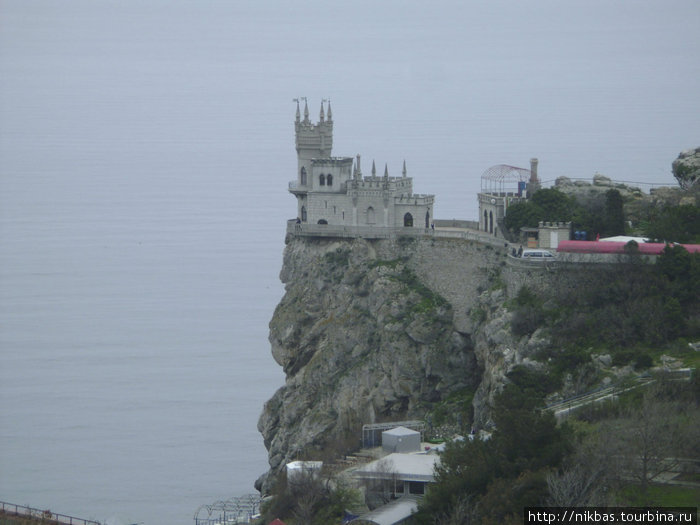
(381, 330)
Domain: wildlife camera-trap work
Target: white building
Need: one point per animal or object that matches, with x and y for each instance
(332, 190)
(409, 473)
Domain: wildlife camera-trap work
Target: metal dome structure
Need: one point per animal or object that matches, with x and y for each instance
(502, 179)
(240, 510)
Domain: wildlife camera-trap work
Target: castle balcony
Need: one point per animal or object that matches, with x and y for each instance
(296, 188)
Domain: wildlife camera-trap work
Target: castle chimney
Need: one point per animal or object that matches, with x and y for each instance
(533, 171)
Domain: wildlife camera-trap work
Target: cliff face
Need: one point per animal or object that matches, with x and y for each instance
(381, 330)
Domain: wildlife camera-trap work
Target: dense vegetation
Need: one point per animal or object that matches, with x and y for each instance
(597, 216)
(627, 309)
(674, 224)
(633, 312)
(612, 456)
(604, 215)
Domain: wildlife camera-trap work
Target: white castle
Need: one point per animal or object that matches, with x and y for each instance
(333, 191)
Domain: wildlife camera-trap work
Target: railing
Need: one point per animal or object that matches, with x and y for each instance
(45, 515)
(241, 510)
(381, 232)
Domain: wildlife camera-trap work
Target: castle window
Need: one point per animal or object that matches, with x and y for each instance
(370, 215)
(427, 219)
(486, 221)
(490, 222)
(322, 179)
(322, 221)
(303, 176)
(408, 220)
(329, 179)
(303, 214)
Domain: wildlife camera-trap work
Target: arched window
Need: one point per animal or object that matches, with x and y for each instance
(370, 215)
(408, 220)
(303, 176)
(322, 179)
(303, 214)
(427, 219)
(322, 221)
(329, 179)
(486, 221)
(490, 222)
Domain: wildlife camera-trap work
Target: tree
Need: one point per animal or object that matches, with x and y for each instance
(380, 489)
(585, 478)
(652, 438)
(522, 214)
(462, 512)
(686, 168)
(676, 224)
(556, 206)
(508, 469)
(614, 214)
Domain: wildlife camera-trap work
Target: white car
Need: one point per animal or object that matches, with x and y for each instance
(538, 255)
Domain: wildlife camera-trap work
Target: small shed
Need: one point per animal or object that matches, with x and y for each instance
(401, 439)
(299, 470)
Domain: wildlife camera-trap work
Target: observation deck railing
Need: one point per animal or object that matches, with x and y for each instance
(381, 232)
(46, 516)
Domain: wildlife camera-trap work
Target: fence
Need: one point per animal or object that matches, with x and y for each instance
(45, 515)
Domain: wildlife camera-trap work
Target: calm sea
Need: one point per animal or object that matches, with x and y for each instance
(145, 150)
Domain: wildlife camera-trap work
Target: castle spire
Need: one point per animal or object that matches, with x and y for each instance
(374, 170)
(404, 169)
(298, 114)
(386, 171)
(330, 115)
(358, 168)
(306, 110)
(322, 117)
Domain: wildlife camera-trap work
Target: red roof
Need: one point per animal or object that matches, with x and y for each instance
(276, 521)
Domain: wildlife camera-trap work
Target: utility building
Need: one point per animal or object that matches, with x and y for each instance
(401, 439)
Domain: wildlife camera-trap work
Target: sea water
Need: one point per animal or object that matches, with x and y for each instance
(145, 151)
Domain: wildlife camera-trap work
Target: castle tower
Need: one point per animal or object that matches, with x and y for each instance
(313, 141)
(534, 183)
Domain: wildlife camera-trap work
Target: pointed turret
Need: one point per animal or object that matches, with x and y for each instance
(298, 119)
(403, 172)
(321, 116)
(330, 115)
(374, 170)
(358, 173)
(306, 110)
(386, 171)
